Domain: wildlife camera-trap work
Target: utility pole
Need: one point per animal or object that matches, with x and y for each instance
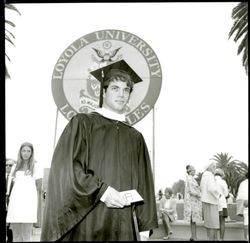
(153, 142)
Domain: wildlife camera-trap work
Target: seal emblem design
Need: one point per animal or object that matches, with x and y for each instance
(75, 90)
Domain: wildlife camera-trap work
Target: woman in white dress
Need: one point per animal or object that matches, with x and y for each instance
(22, 208)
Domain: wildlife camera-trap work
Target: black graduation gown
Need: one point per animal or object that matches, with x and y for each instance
(95, 152)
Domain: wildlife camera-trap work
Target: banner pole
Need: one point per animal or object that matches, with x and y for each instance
(55, 128)
(153, 152)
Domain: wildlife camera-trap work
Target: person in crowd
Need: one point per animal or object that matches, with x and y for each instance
(192, 201)
(210, 198)
(22, 209)
(159, 195)
(180, 197)
(224, 194)
(8, 166)
(158, 198)
(39, 183)
(168, 212)
(242, 204)
(230, 198)
(98, 157)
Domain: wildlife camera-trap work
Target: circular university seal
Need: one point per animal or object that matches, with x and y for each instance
(75, 90)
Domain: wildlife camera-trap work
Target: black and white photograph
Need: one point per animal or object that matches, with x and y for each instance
(126, 121)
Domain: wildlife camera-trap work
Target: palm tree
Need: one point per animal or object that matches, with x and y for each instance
(237, 175)
(8, 34)
(179, 186)
(234, 170)
(240, 27)
(223, 160)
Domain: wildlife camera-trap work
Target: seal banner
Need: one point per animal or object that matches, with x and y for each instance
(75, 90)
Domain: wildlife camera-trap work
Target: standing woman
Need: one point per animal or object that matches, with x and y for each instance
(22, 209)
(222, 206)
(210, 199)
(192, 202)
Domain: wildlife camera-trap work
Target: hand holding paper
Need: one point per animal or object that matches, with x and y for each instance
(114, 199)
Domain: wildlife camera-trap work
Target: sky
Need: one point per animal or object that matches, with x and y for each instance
(202, 108)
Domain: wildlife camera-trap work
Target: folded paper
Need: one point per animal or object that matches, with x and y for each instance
(132, 196)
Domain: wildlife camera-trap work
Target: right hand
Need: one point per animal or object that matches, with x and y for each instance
(115, 200)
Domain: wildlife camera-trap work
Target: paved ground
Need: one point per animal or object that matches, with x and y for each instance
(37, 233)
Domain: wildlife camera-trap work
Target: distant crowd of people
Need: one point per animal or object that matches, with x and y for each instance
(205, 202)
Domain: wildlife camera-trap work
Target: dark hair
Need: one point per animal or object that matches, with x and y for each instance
(120, 77)
(246, 174)
(169, 191)
(31, 161)
(188, 167)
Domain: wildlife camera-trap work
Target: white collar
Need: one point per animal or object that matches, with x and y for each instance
(110, 114)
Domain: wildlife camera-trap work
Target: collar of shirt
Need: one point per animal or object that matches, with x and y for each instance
(111, 115)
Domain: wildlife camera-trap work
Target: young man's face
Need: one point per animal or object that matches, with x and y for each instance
(116, 96)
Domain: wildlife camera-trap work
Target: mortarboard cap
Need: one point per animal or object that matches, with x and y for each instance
(117, 68)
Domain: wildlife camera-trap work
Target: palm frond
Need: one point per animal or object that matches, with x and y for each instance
(10, 23)
(240, 29)
(237, 26)
(10, 33)
(9, 40)
(240, 10)
(7, 75)
(7, 57)
(12, 7)
(242, 44)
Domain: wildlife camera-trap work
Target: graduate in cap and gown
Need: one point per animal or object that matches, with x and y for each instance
(99, 156)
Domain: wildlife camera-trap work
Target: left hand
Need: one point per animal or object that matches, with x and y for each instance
(144, 238)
